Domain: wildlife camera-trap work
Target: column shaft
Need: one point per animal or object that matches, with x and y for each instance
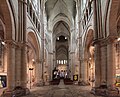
(10, 66)
(97, 66)
(37, 72)
(85, 77)
(84, 73)
(72, 65)
(110, 64)
(103, 63)
(24, 47)
(18, 66)
(24, 66)
(5, 60)
(97, 36)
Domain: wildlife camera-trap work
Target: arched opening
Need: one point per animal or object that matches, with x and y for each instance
(114, 48)
(7, 32)
(89, 64)
(3, 65)
(61, 35)
(32, 59)
(117, 50)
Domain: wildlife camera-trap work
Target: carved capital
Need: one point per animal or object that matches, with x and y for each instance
(83, 59)
(96, 41)
(72, 52)
(110, 39)
(38, 60)
(19, 45)
(10, 43)
(103, 42)
(50, 53)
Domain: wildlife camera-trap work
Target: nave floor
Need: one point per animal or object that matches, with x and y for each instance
(61, 90)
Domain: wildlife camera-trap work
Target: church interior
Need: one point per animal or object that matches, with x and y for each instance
(60, 48)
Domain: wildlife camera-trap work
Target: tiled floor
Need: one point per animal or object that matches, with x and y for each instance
(61, 90)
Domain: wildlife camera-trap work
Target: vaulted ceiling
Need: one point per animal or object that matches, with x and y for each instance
(65, 8)
(60, 16)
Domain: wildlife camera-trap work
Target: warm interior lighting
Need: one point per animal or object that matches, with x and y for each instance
(33, 60)
(118, 39)
(65, 37)
(3, 43)
(57, 38)
(89, 58)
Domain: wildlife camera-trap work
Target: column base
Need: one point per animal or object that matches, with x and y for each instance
(17, 92)
(47, 83)
(105, 91)
(83, 83)
(7, 93)
(39, 84)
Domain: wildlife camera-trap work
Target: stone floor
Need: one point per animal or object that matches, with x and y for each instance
(61, 90)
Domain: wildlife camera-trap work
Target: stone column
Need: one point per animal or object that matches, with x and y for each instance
(103, 51)
(54, 59)
(10, 64)
(80, 58)
(37, 72)
(18, 65)
(68, 63)
(51, 65)
(5, 59)
(79, 37)
(110, 63)
(42, 62)
(72, 65)
(97, 31)
(84, 73)
(42, 50)
(41, 73)
(24, 66)
(24, 47)
(97, 66)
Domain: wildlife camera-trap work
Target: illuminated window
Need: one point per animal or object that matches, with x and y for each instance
(61, 61)
(64, 61)
(35, 3)
(84, 2)
(57, 61)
